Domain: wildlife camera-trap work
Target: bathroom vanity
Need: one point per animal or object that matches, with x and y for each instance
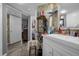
(60, 45)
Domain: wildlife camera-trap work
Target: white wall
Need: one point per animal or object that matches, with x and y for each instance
(72, 19)
(0, 29)
(10, 10)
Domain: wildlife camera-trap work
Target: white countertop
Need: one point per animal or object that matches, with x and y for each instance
(64, 37)
(72, 28)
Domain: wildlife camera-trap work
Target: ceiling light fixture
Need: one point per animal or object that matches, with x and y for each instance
(63, 11)
(62, 17)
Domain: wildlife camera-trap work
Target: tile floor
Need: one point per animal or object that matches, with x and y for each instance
(18, 50)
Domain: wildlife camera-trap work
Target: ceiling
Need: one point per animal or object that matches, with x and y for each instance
(29, 8)
(69, 7)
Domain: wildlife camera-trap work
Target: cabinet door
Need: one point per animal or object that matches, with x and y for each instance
(47, 50)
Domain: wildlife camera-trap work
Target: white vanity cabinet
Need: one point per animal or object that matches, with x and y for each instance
(47, 50)
(53, 46)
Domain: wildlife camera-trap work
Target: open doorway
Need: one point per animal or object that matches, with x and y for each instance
(24, 29)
